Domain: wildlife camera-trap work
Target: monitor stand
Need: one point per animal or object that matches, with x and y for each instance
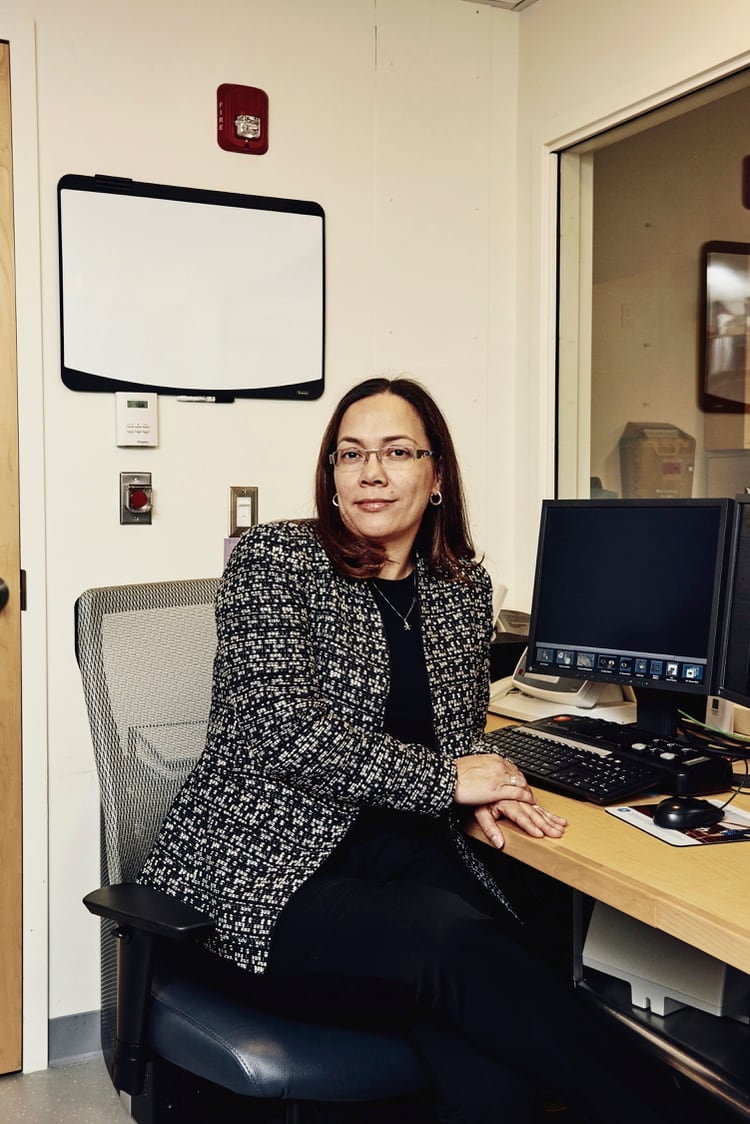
(658, 711)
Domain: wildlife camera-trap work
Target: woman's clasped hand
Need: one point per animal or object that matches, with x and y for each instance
(498, 790)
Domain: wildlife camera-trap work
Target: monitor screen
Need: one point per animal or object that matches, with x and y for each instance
(735, 671)
(631, 592)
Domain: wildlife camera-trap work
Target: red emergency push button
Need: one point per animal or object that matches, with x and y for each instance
(138, 499)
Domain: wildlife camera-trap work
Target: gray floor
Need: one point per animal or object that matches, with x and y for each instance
(73, 1094)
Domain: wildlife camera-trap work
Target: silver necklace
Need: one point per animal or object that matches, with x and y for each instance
(402, 616)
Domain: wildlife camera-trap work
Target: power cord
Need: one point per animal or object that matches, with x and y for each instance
(709, 739)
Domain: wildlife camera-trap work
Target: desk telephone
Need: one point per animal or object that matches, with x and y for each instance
(529, 697)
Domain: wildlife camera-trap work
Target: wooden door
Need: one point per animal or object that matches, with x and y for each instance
(10, 615)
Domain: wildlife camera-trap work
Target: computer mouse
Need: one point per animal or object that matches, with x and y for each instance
(685, 812)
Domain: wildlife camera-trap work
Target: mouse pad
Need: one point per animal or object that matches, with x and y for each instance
(734, 828)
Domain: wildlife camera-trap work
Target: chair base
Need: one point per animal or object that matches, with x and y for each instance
(173, 1096)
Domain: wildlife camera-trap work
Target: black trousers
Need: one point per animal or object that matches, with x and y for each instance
(394, 928)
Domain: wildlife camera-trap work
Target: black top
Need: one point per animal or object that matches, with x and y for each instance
(408, 714)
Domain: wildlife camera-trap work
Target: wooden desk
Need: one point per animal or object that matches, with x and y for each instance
(699, 894)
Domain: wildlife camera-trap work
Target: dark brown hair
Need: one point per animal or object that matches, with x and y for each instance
(443, 538)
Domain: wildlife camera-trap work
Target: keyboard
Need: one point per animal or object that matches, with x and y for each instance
(606, 762)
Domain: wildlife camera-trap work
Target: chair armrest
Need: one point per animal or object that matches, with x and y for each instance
(152, 911)
(141, 915)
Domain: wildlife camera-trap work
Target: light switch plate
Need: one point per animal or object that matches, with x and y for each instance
(243, 510)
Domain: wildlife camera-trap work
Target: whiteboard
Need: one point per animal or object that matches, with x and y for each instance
(184, 291)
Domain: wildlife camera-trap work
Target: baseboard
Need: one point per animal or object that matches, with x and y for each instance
(74, 1038)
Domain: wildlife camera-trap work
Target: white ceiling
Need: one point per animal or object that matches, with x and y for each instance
(515, 5)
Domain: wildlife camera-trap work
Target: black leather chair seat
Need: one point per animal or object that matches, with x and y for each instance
(258, 1054)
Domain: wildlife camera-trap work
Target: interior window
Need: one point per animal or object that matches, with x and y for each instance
(641, 208)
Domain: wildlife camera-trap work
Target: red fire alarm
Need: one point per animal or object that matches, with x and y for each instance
(242, 118)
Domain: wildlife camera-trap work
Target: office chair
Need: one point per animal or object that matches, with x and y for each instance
(177, 1048)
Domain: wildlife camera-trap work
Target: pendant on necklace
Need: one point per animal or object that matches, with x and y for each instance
(407, 626)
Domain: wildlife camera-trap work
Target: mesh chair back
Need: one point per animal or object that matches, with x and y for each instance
(146, 657)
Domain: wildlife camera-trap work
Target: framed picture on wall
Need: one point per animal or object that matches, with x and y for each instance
(724, 328)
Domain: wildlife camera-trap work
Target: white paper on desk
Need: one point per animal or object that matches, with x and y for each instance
(732, 829)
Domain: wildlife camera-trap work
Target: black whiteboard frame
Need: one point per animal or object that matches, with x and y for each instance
(100, 381)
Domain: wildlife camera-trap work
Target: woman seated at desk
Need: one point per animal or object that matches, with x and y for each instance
(322, 827)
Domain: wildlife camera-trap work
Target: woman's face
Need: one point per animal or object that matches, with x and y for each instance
(385, 503)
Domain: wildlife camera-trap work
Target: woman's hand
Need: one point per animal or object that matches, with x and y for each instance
(531, 818)
(499, 791)
(484, 778)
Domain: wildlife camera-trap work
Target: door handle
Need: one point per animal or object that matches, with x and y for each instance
(4, 595)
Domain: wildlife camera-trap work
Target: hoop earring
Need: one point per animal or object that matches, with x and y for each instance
(436, 499)
(335, 500)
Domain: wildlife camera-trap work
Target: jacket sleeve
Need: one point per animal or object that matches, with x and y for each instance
(484, 630)
(270, 711)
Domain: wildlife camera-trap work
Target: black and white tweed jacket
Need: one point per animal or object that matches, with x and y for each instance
(295, 739)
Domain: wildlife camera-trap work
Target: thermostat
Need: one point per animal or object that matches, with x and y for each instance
(136, 418)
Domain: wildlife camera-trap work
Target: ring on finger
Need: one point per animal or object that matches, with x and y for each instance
(513, 780)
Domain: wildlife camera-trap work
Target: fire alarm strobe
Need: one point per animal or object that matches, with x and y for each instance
(242, 118)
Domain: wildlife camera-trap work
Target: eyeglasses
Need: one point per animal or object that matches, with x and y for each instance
(390, 456)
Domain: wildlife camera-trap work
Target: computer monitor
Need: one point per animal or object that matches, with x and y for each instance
(632, 592)
(734, 675)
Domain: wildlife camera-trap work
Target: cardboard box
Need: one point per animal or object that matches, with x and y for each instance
(656, 460)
